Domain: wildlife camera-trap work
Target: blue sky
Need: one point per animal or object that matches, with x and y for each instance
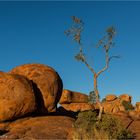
(33, 32)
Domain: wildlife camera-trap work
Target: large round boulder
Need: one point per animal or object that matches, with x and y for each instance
(47, 84)
(16, 96)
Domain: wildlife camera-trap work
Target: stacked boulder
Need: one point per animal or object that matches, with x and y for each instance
(75, 101)
(114, 104)
(137, 106)
(135, 114)
(29, 88)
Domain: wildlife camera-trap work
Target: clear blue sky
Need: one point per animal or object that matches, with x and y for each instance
(33, 32)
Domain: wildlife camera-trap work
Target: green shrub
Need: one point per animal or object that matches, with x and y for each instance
(108, 124)
(128, 106)
(113, 127)
(87, 127)
(125, 134)
(103, 100)
(92, 97)
(86, 120)
(84, 125)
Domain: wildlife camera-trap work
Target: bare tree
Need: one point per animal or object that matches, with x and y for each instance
(75, 31)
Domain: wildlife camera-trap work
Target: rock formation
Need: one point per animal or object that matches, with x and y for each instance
(135, 114)
(111, 97)
(125, 97)
(114, 104)
(32, 88)
(47, 84)
(73, 97)
(76, 107)
(75, 101)
(137, 107)
(42, 128)
(16, 96)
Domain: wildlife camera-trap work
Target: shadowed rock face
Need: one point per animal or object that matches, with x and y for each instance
(47, 84)
(16, 96)
(73, 97)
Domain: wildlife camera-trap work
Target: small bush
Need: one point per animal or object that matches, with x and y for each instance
(87, 127)
(125, 134)
(84, 124)
(86, 120)
(128, 106)
(92, 97)
(113, 127)
(103, 100)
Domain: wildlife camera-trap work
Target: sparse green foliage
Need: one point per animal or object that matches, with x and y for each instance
(110, 125)
(80, 56)
(92, 97)
(83, 126)
(113, 127)
(103, 100)
(88, 116)
(88, 127)
(76, 29)
(125, 134)
(107, 40)
(128, 106)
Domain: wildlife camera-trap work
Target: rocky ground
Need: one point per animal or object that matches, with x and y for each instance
(130, 123)
(41, 127)
(52, 127)
(29, 95)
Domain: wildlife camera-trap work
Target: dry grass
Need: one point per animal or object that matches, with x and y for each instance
(87, 127)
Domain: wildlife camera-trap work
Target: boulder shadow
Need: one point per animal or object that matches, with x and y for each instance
(63, 112)
(40, 107)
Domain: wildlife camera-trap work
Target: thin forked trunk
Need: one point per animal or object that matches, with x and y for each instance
(97, 96)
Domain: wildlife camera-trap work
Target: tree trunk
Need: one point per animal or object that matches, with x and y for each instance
(97, 96)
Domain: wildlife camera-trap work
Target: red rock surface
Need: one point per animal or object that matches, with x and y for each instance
(137, 107)
(134, 114)
(135, 127)
(76, 107)
(16, 96)
(73, 97)
(47, 84)
(43, 128)
(113, 106)
(125, 97)
(131, 123)
(110, 97)
(53, 127)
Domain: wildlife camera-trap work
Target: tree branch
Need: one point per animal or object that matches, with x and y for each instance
(106, 65)
(114, 56)
(90, 68)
